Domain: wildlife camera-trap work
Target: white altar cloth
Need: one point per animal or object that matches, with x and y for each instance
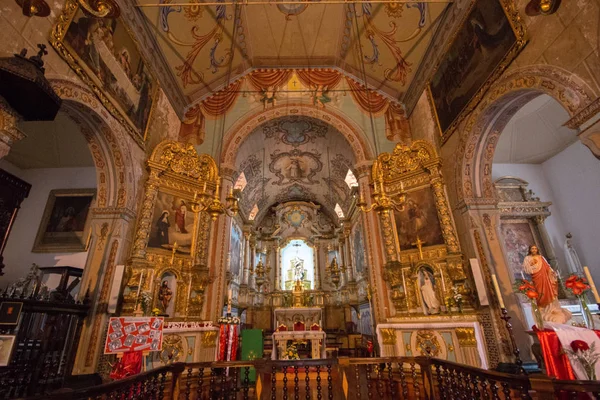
(317, 339)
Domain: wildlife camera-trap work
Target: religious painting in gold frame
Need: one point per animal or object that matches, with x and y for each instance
(490, 37)
(106, 57)
(418, 220)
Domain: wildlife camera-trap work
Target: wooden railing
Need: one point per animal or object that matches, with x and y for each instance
(46, 338)
(345, 378)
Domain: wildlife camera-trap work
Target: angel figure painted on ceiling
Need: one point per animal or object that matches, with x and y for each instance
(268, 97)
(320, 96)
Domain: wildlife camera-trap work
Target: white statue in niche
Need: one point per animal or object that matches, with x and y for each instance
(427, 284)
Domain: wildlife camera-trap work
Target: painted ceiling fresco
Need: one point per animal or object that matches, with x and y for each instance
(205, 47)
(295, 158)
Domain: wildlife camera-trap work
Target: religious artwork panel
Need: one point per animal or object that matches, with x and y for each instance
(172, 224)
(365, 323)
(516, 237)
(482, 48)
(106, 57)
(418, 220)
(235, 250)
(7, 342)
(64, 226)
(358, 247)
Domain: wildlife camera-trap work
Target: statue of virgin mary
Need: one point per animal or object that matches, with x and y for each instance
(428, 292)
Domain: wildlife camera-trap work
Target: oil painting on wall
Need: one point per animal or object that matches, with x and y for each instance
(235, 250)
(172, 224)
(107, 55)
(358, 247)
(64, 226)
(418, 219)
(484, 40)
(517, 237)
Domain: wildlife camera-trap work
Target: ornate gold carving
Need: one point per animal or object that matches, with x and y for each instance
(183, 159)
(209, 339)
(427, 340)
(389, 336)
(466, 337)
(404, 159)
(101, 8)
(172, 349)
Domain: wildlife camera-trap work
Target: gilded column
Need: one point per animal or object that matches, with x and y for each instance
(443, 211)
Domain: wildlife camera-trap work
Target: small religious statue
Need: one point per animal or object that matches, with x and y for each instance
(165, 294)
(545, 282)
(298, 287)
(430, 299)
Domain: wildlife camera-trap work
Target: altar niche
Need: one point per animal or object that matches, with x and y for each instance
(297, 260)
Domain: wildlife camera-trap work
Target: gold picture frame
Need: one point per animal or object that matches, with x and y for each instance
(65, 226)
(449, 110)
(105, 55)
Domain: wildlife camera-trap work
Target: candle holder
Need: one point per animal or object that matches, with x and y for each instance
(506, 318)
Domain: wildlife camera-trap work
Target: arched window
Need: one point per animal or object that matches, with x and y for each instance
(241, 182)
(351, 179)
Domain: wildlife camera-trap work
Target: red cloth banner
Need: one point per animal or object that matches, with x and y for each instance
(222, 101)
(129, 364)
(127, 334)
(192, 128)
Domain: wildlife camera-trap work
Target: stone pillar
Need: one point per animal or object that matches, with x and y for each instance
(342, 259)
(318, 255)
(349, 267)
(251, 283)
(374, 248)
(550, 255)
(109, 246)
(246, 257)
(278, 267)
(9, 133)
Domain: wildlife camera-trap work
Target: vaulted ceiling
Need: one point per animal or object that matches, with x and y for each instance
(207, 46)
(295, 158)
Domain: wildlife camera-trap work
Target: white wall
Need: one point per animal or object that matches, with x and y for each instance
(17, 254)
(571, 181)
(574, 175)
(534, 175)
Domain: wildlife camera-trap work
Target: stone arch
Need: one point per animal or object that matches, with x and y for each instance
(109, 144)
(479, 132)
(236, 135)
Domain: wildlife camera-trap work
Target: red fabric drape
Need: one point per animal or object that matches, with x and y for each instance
(544, 284)
(557, 362)
(192, 127)
(234, 343)
(262, 79)
(129, 364)
(222, 101)
(368, 100)
(315, 77)
(222, 342)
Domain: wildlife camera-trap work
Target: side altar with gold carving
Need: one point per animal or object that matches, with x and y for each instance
(424, 274)
(168, 270)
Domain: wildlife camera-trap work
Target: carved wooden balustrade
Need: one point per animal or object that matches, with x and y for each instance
(343, 378)
(46, 339)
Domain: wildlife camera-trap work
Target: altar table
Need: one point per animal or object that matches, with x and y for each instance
(289, 315)
(317, 339)
(556, 361)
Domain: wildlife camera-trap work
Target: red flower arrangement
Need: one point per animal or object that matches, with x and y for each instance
(526, 287)
(577, 285)
(579, 345)
(585, 355)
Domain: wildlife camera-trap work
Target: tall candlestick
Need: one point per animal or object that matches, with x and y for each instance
(586, 271)
(498, 293)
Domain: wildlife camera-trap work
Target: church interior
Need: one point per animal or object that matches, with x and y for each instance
(265, 198)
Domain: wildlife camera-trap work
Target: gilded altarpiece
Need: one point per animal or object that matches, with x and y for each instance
(171, 242)
(424, 267)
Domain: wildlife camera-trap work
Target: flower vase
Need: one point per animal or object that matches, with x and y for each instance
(537, 315)
(586, 314)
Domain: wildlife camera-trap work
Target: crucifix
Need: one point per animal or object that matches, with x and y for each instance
(419, 243)
(175, 246)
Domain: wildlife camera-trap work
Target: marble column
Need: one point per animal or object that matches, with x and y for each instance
(349, 267)
(342, 260)
(277, 267)
(251, 282)
(318, 255)
(246, 258)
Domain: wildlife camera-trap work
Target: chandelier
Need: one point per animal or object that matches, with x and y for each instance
(381, 200)
(205, 202)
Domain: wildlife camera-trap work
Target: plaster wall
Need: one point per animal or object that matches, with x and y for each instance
(17, 254)
(571, 181)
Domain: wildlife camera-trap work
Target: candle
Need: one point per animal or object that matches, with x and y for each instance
(140, 284)
(522, 275)
(586, 271)
(498, 293)
(443, 283)
(204, 188)
(401, 186)
(196, 194)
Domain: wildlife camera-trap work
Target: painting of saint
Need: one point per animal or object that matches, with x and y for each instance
(235, 250)
(517, 237)
(358, 248)
(481, 44)
(171, 223)
(64, 224)
(111, 59)
(431, 303)
(418, 219)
